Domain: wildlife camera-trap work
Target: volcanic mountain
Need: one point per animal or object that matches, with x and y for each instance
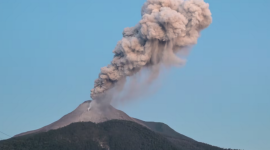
(97, 114)
(102, 127)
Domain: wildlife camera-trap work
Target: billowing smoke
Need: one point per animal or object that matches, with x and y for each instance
(166, 27)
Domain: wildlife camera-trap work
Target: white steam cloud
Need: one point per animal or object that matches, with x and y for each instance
(166, 27)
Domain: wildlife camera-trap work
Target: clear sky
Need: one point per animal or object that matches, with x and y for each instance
(51, 53)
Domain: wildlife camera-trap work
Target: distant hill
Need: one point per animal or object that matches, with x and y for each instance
(110, 135)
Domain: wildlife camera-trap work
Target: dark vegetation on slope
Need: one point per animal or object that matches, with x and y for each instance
(110, 135)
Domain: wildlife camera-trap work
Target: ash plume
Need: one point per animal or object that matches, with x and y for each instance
(166, 28)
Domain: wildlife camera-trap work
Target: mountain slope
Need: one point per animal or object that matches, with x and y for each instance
(110, 135)
(181, 141)
(163, 129)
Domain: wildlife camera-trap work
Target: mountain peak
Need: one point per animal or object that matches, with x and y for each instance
(97, 113)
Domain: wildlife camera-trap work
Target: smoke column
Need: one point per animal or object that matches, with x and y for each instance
(166, 28)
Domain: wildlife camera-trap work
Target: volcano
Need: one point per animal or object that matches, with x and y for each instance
(102, 127)
(97, 114)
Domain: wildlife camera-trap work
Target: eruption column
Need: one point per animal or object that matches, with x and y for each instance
(166, 27)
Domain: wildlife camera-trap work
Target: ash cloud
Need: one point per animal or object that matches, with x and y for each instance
(166, 28)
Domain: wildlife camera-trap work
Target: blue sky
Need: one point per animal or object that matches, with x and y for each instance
(51, 53)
